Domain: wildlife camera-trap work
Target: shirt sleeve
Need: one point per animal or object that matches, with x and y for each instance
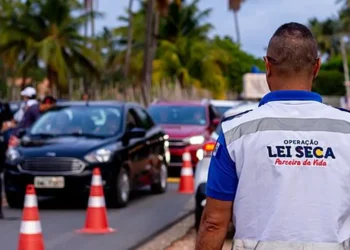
(222, 177)
(25, 122)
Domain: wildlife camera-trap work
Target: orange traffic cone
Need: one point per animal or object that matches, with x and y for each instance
(30, 237)
(96, 218)
(186, 185)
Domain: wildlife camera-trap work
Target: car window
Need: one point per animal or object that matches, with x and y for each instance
(213, 113)
(144, 119)
(131, 119)
(182, 115)
(102, 121)
(223, 109)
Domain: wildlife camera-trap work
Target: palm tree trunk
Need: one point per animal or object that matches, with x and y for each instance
(238, 34)
(129, 46)
(345, 67)
(147, 65)
(52, 77)
(94, 83)
(156, 32)
(86, 25)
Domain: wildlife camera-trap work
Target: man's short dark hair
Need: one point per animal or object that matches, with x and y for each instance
(292, 50)
(49, 100)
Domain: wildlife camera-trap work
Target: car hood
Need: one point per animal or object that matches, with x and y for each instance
(68, 146)
(183, 131)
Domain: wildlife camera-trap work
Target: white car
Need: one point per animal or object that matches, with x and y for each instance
(202, 167)
(223, 105)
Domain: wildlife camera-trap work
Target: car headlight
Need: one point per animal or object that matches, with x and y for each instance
(12, 154)
(101, 155)
(196, 140)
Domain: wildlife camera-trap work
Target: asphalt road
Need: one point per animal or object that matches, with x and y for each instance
(145, 216)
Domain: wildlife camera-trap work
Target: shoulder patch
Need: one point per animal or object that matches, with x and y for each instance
(236, 115)
(216, 149)
(344, 110)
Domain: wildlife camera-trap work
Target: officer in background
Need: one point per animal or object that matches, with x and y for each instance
(28, 95)
(281, 172)
(5, 118)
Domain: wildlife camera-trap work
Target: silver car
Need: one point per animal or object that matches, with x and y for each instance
(202, 167)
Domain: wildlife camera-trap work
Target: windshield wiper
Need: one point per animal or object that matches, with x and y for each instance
(46, 135)
(83, 135)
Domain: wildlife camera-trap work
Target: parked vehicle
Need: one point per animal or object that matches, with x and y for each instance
(202, 168)
(189, 125)
(223, 105)
(59, 152)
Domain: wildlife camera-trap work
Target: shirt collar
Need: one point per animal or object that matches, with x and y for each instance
(290, 95)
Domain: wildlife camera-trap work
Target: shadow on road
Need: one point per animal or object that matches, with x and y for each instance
(79, 203)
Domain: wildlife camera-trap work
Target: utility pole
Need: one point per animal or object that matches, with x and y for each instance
(346, 70)
(148, 49)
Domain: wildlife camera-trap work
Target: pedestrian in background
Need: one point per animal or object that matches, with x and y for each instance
(85, 97)
(33, 113)
(28, 95)
(5, 118)
(281, 172)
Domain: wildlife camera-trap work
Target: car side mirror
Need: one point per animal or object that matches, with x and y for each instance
(216, 122)
(137, 133)
(22, 132)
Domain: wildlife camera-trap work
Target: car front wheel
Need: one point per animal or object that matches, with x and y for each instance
(120, 195)
(160, 182)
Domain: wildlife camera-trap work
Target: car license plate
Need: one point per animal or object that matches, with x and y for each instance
(49, 182)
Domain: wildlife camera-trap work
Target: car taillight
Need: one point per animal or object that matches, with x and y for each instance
(208, 148)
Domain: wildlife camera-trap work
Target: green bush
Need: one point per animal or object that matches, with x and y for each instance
(330, 82)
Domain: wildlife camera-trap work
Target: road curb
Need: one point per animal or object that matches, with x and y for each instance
(163, 229)
(173, 180)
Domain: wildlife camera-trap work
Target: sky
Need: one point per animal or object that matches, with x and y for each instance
(258, 19)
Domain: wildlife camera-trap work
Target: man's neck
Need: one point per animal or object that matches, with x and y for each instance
(291, 85)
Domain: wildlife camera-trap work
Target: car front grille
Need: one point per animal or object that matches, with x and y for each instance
(52, 165)
(176, 159)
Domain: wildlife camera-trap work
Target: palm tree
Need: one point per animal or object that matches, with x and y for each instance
(235, 6)
(187, 21)
(150, 43)
(192, 62)
(327, 35)
(129, 40)
(50, 33)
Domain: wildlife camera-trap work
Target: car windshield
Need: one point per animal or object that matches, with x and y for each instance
(86, 120)
(222, 109)
(182, 115)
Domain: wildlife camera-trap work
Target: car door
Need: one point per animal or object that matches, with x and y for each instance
(136, 146)
(154, 140)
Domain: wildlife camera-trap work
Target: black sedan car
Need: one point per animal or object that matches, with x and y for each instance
(59, 152)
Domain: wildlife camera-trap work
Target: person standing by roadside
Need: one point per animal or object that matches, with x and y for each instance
(281, 172)
(28, 95)
(31, 115)
(5, 118)
(85, 97)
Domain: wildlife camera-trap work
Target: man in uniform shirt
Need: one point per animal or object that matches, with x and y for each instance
(281, 172)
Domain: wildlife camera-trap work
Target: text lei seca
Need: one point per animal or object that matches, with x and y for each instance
(300, 153)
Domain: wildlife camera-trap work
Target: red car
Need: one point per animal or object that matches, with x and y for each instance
(188, 124)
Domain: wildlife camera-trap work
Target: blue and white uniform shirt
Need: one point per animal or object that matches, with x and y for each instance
(286, 166)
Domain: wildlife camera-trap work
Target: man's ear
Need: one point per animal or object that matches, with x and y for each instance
(268, 68)
(317, 68)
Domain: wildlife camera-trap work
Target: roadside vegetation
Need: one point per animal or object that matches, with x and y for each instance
(161, 45)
